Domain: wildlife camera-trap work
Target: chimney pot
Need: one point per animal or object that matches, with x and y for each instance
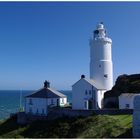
(82, 76)
(46, 84)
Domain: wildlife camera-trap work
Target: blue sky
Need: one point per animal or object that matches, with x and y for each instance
(50, 41)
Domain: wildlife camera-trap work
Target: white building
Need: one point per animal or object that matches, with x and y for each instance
(40, 101)
(126, 100)
(86, 94)
(101, 73)
(101, 70)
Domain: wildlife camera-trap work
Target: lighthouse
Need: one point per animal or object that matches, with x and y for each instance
(101, 69)
(88, 93)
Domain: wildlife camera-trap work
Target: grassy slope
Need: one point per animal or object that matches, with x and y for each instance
(101, 126)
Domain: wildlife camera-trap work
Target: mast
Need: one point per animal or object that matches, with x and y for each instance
(20, 101)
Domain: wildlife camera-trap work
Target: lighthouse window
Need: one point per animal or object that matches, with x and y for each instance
(96, 32)
(105, 75)
(99, 66)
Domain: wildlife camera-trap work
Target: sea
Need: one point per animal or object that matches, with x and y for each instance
(11, 100)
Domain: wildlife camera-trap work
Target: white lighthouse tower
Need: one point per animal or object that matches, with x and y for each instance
(101, 70)
(89, 93)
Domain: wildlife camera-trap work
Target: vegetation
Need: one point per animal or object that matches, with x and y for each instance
(124, 84)
(96, 126)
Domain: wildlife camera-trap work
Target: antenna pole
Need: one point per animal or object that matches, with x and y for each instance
(20, 106)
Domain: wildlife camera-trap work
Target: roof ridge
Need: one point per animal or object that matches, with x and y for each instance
(56, 92)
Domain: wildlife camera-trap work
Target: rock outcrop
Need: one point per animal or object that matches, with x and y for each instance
(124, 84)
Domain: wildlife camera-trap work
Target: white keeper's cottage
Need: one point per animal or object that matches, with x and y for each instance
(88, 93)
(40, 101)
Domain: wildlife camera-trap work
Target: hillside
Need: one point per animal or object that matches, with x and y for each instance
(124, 84)
(96, 126)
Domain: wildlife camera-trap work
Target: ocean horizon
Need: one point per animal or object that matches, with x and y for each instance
(10, 100)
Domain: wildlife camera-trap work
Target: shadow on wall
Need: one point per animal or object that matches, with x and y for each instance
(111, 102)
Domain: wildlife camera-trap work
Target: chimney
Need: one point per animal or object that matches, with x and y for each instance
(46, 84)
(82, 76)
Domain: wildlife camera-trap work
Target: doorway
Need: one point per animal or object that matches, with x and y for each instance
(90, 104)
(57, 102)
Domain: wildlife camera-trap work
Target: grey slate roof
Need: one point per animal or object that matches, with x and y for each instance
(46, 93)
(95, 84)
(129, 95)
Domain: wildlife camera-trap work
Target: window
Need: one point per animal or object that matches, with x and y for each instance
(42, 110)
(89, 92)
(30, 110)
(63, 100)
(85, 105)
(99, 66)
(57, 102)
(30, 101)
(37, 111)
(105, 75)
(126, 105)
(94, 92)
(51, 101)
(86, 92)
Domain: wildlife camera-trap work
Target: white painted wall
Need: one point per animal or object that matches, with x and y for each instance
(42, 103)
(39, 104)
(78, 94)
(63, 101)
(52, 101)
(124, 100)
(101, 60)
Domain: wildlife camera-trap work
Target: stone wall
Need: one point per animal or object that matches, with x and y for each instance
(21, 118)
(60, 112)
(55, 113)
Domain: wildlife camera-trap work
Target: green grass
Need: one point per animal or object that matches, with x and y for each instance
(125, 120)
(96, 126)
